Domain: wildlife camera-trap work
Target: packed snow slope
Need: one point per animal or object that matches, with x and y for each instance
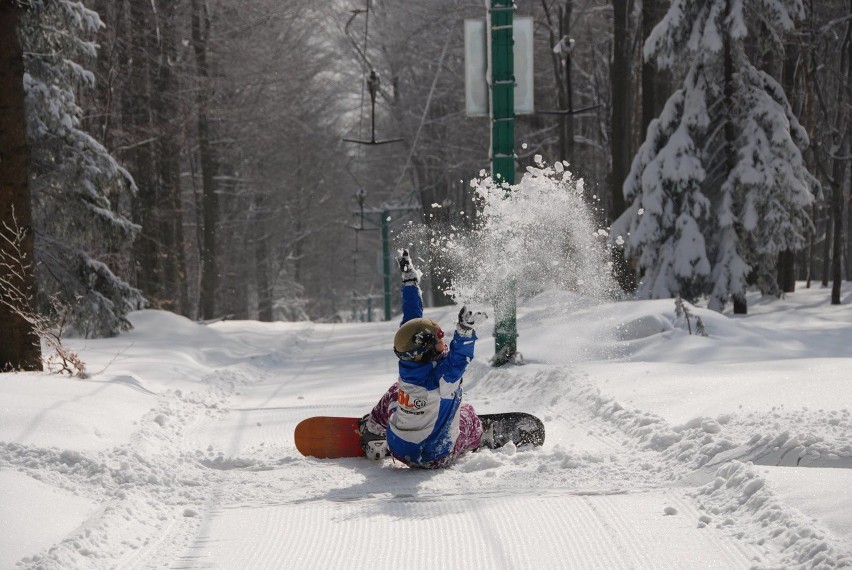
(664, 449)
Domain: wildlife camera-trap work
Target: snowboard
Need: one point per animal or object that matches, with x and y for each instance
(327, 437)
(515, 427)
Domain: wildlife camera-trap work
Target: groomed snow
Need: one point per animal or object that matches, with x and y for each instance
(664, 449)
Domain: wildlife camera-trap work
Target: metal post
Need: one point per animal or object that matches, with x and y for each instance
(386, 264)
(502, 91)
(502, 78)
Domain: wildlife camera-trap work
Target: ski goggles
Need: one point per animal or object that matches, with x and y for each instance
(425, 341)
(426, 338)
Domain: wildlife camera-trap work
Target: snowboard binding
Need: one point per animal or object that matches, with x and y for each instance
(518, 428)
(375, 446)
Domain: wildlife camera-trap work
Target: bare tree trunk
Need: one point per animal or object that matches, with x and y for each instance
(19, 347)
(556, 34)
(649, 71)
(262, 261)
(808, 97)
(146, 248)
(826, 249)
(846, 230)
(787, 258)
(170, 209)
(811, 248)
(837, 196)
(740, 303)
(787, 271)
(210, 207)
(840, 168)
(566, 131)
(106, 64)
(264, 287)
(621, 99)
(620, 130)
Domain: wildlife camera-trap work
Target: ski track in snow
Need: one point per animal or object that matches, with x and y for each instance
(210, 477)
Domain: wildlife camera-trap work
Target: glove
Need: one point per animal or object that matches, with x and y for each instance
(410, 275)
(468, 320)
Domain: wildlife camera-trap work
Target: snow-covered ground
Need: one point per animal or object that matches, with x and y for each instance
(664, 449)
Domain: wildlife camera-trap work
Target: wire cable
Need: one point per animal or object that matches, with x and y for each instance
(425, 112)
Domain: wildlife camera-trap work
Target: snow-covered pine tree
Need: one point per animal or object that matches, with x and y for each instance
(77, 185)
(719, 187)
(775, 184)
(668, 210)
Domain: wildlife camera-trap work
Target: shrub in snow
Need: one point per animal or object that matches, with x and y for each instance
(49, 325)
(700, 330)
(683, 312)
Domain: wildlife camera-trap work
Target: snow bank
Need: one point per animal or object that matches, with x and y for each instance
(188, 427)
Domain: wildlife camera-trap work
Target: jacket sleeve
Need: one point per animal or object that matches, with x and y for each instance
(453, 366)
(412, 303)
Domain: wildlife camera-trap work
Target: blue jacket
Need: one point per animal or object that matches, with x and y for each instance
(424, 425)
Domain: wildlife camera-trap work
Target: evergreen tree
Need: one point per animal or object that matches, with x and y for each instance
(719, 187)
(668, 208)
(77, 185)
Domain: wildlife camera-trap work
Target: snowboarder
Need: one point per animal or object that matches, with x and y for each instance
(421, 420)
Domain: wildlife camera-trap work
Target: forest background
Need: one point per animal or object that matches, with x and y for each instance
(189, 155)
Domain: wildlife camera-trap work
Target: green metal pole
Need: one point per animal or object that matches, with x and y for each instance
(502, 92)
(386, 264)
(503, 154)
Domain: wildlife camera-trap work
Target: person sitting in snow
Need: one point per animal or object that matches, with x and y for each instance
(421, 420)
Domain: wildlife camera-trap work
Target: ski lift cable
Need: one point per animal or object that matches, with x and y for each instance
(362, 58)
(360, 52)
(365, 64)
(352, 174)
(364, 82)
(372, 83)
(425, 111)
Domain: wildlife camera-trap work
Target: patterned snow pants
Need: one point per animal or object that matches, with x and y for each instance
(470, 429)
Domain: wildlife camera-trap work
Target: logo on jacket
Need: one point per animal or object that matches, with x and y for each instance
(404, 399)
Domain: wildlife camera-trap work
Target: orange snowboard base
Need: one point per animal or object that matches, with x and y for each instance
(327, 437)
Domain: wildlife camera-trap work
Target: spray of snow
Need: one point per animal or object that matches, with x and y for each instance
(534, 236)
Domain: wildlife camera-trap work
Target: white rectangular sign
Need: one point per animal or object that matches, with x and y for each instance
(475, 68)
(477, 94)
(523, 35)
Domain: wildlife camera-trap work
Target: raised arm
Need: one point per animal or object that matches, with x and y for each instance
(461, 348)
(412, 300)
